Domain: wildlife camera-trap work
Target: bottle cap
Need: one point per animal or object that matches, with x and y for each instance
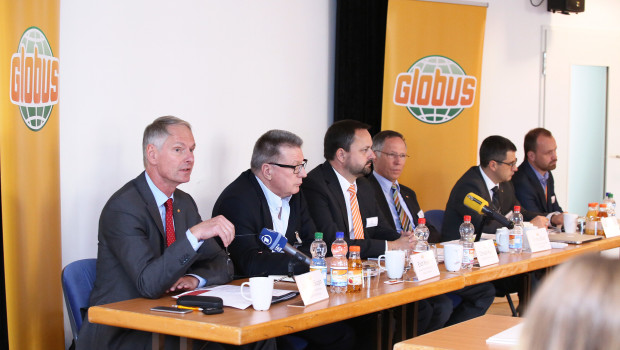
(593, 204)
(467, 218)
(517, 208)
(318, 235)
(611, 195)
(421, 221)
(603, 205)
(339, 235)
(354, 248)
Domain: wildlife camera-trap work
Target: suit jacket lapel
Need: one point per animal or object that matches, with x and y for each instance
(149, 202)
(382, 201)
(264, 207)
(540, 193)
(293, 219)
(334, 187)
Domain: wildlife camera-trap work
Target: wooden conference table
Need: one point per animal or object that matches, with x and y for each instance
(468, 335)
(246, 326)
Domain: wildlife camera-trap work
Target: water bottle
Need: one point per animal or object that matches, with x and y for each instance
(355, 279)
(339, 265)
(515, 243)
(318, 249)
(421, 233)
(467, 240)
(611, 204)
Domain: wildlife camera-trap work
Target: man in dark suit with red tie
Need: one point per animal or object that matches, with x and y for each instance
(533, 183)
(152, 240)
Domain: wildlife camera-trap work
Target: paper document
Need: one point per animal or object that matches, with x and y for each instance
(231, 295)
(507, 337)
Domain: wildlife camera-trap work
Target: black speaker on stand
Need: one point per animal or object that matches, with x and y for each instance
(566, 6)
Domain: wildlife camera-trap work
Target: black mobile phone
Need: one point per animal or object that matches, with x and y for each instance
(212, 311)
(170, 309)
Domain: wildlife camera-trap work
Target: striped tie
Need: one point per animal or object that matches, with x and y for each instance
(358, 227)
(404, 218)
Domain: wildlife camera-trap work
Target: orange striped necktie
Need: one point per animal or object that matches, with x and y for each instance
(358, 227)
(402, 215)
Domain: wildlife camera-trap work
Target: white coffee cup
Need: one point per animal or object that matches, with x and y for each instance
(453, 256)
(570, 222)
(394, 263)
(502, 238)
(261, 291)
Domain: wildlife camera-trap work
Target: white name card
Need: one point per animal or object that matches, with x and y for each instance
(485, 251)
(538, 240)
(610, 225)
(311, 287)
(424, 265)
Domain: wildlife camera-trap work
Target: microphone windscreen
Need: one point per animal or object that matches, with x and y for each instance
(272, 239)
(475, 202)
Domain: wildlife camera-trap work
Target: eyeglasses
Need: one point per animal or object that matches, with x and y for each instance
(393, 156)
(511, 164)
(296, 168)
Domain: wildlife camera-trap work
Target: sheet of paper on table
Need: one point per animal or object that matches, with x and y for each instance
(231, 295)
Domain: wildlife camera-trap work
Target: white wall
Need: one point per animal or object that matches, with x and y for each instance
(235, 69)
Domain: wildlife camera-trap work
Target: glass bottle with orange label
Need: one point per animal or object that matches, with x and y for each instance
(354, 280)
(592, 219)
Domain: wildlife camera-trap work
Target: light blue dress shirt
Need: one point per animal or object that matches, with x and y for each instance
(160, 200)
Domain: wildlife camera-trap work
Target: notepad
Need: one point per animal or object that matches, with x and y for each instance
(507, 337)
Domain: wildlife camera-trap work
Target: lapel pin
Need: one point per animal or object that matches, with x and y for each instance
(178, 210)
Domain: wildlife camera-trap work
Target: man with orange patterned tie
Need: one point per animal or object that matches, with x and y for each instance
(340, 198)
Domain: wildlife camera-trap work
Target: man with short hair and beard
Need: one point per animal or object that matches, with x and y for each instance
(341, 198)
(534, 185)
(333, 186)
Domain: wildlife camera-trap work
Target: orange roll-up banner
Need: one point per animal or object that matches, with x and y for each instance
(29, 172)
(431, 85)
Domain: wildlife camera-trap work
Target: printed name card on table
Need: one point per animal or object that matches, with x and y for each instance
(538, 240)
(311, 287)
(424, 265)
(610, 225)
(485, 251)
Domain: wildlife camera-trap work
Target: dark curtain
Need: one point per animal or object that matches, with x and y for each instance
(360, 50)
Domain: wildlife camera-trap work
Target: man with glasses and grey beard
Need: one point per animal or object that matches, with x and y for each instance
(267, 196)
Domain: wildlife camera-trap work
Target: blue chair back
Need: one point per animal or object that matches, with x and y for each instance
(435, 218)
(78, 279)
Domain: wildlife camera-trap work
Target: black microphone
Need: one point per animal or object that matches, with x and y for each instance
(278, 243)
(481, 206)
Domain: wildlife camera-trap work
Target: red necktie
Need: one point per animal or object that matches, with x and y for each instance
(170, 237)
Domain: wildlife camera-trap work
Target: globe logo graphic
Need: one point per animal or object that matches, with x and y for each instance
(34, 77)
(435, 90)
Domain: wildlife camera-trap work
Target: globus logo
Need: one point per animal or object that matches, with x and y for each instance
(435, 89)
(34, 78)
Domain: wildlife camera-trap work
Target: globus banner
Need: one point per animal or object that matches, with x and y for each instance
(431, 90)
(29, 172)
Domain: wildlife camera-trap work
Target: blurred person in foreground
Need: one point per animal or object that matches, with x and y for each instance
(576, 307)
